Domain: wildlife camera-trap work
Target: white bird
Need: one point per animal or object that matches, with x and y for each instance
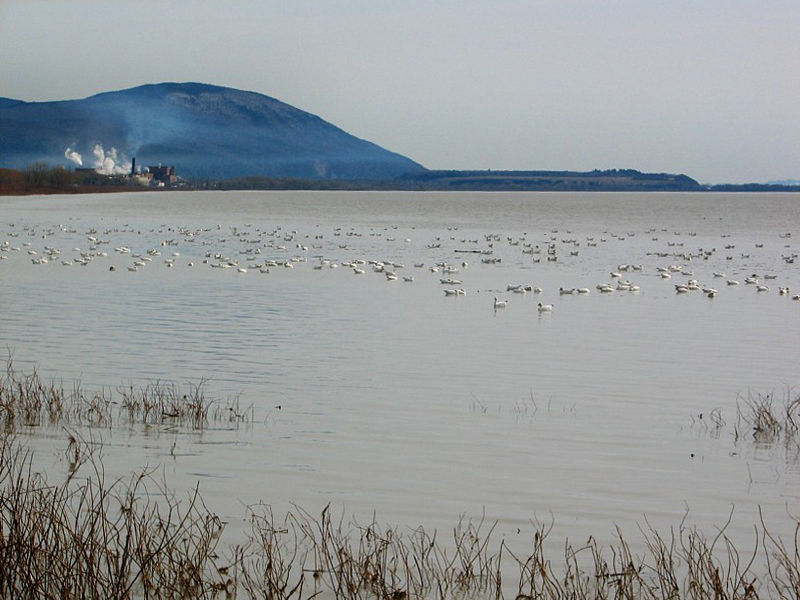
(762, 288)
(499, 303)
(545, 307)
(583, 290)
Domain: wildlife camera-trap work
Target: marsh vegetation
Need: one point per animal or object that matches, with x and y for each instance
(92, 535)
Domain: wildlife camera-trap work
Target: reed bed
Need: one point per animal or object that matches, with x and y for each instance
(760, 418)
(90, 537)
(26, 399)
(767, 420)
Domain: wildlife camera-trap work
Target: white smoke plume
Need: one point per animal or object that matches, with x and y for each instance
(73, 155)
(110, 163)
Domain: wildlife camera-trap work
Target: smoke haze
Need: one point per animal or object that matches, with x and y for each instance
(72, 155)
(110, 163)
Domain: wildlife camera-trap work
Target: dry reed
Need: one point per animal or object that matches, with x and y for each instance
(28, 400)
(767, 421)
(133, 538)
(90, 538)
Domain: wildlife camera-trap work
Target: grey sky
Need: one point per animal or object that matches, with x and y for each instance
(710, 88)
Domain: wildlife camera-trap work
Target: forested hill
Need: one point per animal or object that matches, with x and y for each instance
(608, 180)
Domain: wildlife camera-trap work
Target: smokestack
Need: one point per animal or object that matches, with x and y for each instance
(133, 166)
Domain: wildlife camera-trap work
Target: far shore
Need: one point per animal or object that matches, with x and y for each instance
(40, 179)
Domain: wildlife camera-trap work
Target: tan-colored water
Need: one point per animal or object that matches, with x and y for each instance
(389, 396)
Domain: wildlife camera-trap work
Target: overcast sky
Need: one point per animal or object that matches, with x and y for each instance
(710, 88)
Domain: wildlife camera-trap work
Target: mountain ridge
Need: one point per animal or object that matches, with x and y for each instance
(206, 131)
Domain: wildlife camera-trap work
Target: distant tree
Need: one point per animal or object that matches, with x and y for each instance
(37, 174)
(11, 180)
(59, 177)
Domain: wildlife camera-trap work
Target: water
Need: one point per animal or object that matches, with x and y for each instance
(388, 396)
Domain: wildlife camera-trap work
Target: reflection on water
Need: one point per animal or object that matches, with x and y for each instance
(390, 396)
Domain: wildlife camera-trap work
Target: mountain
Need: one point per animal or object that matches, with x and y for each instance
(205, 131)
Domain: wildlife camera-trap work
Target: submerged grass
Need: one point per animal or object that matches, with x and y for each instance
(132, 537)
(90, 536)
(768, 421)
(760, 419)
(28, 400)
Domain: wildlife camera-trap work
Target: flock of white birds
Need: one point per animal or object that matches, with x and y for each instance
(250, 249)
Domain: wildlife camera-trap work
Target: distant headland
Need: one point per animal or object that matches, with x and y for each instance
(222, 138)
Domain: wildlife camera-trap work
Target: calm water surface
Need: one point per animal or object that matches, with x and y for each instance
(389, 396)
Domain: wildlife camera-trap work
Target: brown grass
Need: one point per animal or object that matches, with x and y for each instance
(89, 537)
(30, 401)
(764, 419)
(98, 539)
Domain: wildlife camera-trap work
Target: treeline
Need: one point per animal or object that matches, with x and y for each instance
(41, 178)
(575, 181)
(609, 180)
(288, 183)
(754, 187)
